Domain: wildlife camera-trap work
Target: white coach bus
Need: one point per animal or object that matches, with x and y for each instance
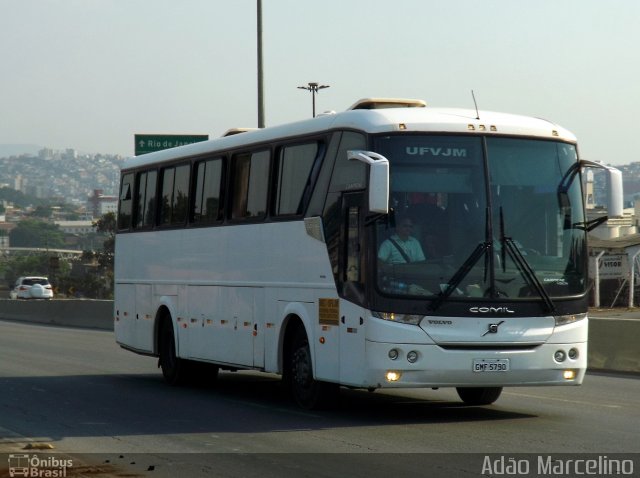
(391, 245)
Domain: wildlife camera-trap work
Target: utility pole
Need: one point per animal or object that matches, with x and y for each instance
(260, 71)
(313, 88)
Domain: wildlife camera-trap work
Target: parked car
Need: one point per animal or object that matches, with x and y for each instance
(32, 287)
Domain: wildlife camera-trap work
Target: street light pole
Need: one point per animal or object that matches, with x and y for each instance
(260, 71)
(313, 88)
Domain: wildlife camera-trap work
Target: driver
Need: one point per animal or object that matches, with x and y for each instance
(402, 247)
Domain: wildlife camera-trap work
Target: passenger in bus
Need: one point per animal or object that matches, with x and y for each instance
(401, 247)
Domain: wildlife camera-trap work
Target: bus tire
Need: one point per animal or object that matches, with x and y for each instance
(173, 368)
(306, 391)
(479, 395)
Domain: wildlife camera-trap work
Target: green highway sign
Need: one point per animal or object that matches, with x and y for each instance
(148, 143)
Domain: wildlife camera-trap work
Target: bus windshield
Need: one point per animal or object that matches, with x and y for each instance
(480, 217)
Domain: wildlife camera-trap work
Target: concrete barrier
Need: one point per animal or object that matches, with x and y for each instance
(614, 344)
(92, 314)
(614, 336)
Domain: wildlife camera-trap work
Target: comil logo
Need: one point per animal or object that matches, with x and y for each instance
(491, 310)
(35, 466)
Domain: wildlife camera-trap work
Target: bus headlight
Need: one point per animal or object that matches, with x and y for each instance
(569, 318)
(401, 318)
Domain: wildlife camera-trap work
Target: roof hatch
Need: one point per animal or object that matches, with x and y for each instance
(381, 103)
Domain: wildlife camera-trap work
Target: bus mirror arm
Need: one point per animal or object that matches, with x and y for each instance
(614, 186)
(378, 179)
(590, 225)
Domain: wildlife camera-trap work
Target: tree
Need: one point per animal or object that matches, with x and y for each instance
(37, 265)
(16, 197)
(97, 280)
(41, 211)
(107, 225)
(33, 233)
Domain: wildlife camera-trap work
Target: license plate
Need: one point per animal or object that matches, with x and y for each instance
(491, 365)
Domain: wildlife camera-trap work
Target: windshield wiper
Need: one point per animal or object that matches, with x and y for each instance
(484, 248)
(461, 273)
(510, 247)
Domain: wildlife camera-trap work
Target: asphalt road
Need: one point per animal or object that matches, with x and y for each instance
(77, 391)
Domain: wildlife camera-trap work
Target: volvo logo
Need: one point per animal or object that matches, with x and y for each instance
(491, 310)
(493, 328)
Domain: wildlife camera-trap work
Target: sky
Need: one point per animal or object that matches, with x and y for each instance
(89, 74)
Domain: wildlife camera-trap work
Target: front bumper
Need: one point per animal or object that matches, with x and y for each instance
(438, 366)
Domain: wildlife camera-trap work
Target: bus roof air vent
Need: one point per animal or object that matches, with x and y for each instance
(381, 103)
(326, 113)
(232, 131)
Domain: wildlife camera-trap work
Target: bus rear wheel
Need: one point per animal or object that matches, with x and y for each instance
(479, 395)
(306, 391)
(174, 369)
(178, 371)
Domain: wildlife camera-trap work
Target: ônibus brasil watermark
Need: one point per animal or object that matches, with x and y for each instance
(600, 465)
(32, 466)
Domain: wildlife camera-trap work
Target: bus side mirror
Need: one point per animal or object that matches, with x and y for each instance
(615, 201)
(615, 204)
(378, 179)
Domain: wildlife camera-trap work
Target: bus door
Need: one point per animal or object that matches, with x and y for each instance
(352, 274)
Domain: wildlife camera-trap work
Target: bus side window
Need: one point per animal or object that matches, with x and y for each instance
(208, 180)
(144, 214)
(174, 195)
(250, 185)
(353, 268)
(349, 175)
(125, 202)
(294, 166)
(353, 245)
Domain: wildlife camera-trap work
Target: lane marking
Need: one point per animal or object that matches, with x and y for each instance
(614, 318)
(565, 400)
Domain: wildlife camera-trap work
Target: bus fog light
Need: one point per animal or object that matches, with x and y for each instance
(559, 356)
(412, 356)
(573, 353)
(569, 374)
(393, 354)
(393, 376)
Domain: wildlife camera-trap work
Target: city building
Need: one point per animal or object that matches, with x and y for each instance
(101, 204)
(76, 227)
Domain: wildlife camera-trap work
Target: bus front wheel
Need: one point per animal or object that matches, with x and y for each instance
(307, 392)
(479, 395)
